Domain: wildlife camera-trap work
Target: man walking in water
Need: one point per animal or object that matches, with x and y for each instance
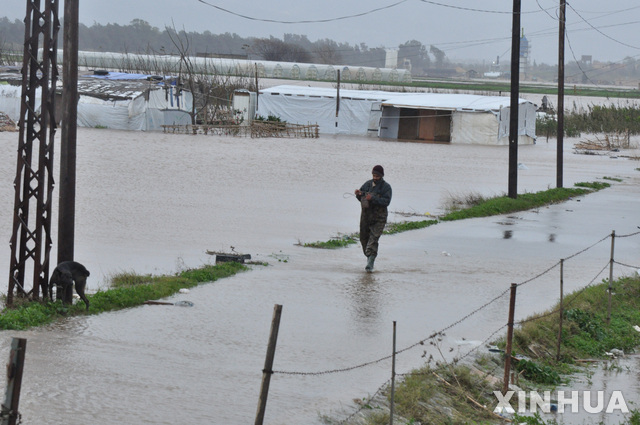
(374, 197)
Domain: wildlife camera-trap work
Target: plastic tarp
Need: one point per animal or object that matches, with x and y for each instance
(317, 105)
(10, 98)
(139, 113)
(475, 119)
(475, 128)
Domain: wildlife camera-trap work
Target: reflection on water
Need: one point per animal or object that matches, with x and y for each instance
(155, 203)
(366, 299)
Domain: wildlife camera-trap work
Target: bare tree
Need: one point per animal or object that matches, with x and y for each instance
(273, 49)
(211, 90)
(326, 52)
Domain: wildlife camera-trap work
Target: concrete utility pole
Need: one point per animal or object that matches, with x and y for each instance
(515, 95)
(67, 196)
(560, 136)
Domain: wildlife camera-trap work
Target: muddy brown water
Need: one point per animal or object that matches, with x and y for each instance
(155, 203)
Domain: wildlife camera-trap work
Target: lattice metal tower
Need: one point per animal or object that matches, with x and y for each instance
(31, 238)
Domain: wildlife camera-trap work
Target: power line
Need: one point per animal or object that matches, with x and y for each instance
(602, 33)
(306, 21)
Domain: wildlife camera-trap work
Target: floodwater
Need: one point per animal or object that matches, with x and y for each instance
(155, 203)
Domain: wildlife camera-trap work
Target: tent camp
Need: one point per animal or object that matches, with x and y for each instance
(453, 118)
(456, 118)
(115, 100)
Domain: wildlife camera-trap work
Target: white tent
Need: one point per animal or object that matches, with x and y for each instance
(119, 101)
(354, 112)
(456, 118)
(131, 102)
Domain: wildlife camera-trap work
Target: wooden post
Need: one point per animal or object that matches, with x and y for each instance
(561, 309)
(393, 375)
(507, 351)
(610, 289)
(257, 89)
(9, 415)
(338, 99)
(268, 364)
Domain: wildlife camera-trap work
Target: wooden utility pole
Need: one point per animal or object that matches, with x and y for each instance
(560, 132)
(67, 196)
(515, 95)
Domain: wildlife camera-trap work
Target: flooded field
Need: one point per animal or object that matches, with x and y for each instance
(155, 203)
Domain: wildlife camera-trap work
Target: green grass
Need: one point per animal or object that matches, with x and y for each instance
(585, 332)
(338, 242)
(476, 206)
(353, 238)
(128, 290)
(422, 396)
(526, 201)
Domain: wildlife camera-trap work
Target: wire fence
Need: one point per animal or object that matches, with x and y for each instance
(434, 337)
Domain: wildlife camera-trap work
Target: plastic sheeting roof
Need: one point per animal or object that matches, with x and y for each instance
(453, 102)
(372, 95)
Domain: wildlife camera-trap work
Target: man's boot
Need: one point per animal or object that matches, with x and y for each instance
(370, 260)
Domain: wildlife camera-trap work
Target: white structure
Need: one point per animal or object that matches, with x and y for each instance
(456, 118)
(452, 118)
(120, 102)
(352, 112)
(128, 102)
(238, 67)
(391, 58)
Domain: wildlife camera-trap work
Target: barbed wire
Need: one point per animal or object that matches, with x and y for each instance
(627, 236)
(626, 265)
(539, 275)
(457, 322)
(447, 364)
(421, 342)
(574, 296)
(587, 248)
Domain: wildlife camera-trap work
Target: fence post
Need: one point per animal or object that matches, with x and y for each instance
(507, 351)
(393, 374)
(561, 309)
(268, 364)
(613, 240)
(9, 414)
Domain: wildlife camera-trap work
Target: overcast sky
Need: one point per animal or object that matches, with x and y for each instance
(464, 29)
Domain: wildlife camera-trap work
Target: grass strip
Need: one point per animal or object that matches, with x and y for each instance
(445, 393)
(484, 207)
(129, 290)
(353, 238)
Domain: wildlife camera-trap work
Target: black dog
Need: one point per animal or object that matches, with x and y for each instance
(64, 276)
